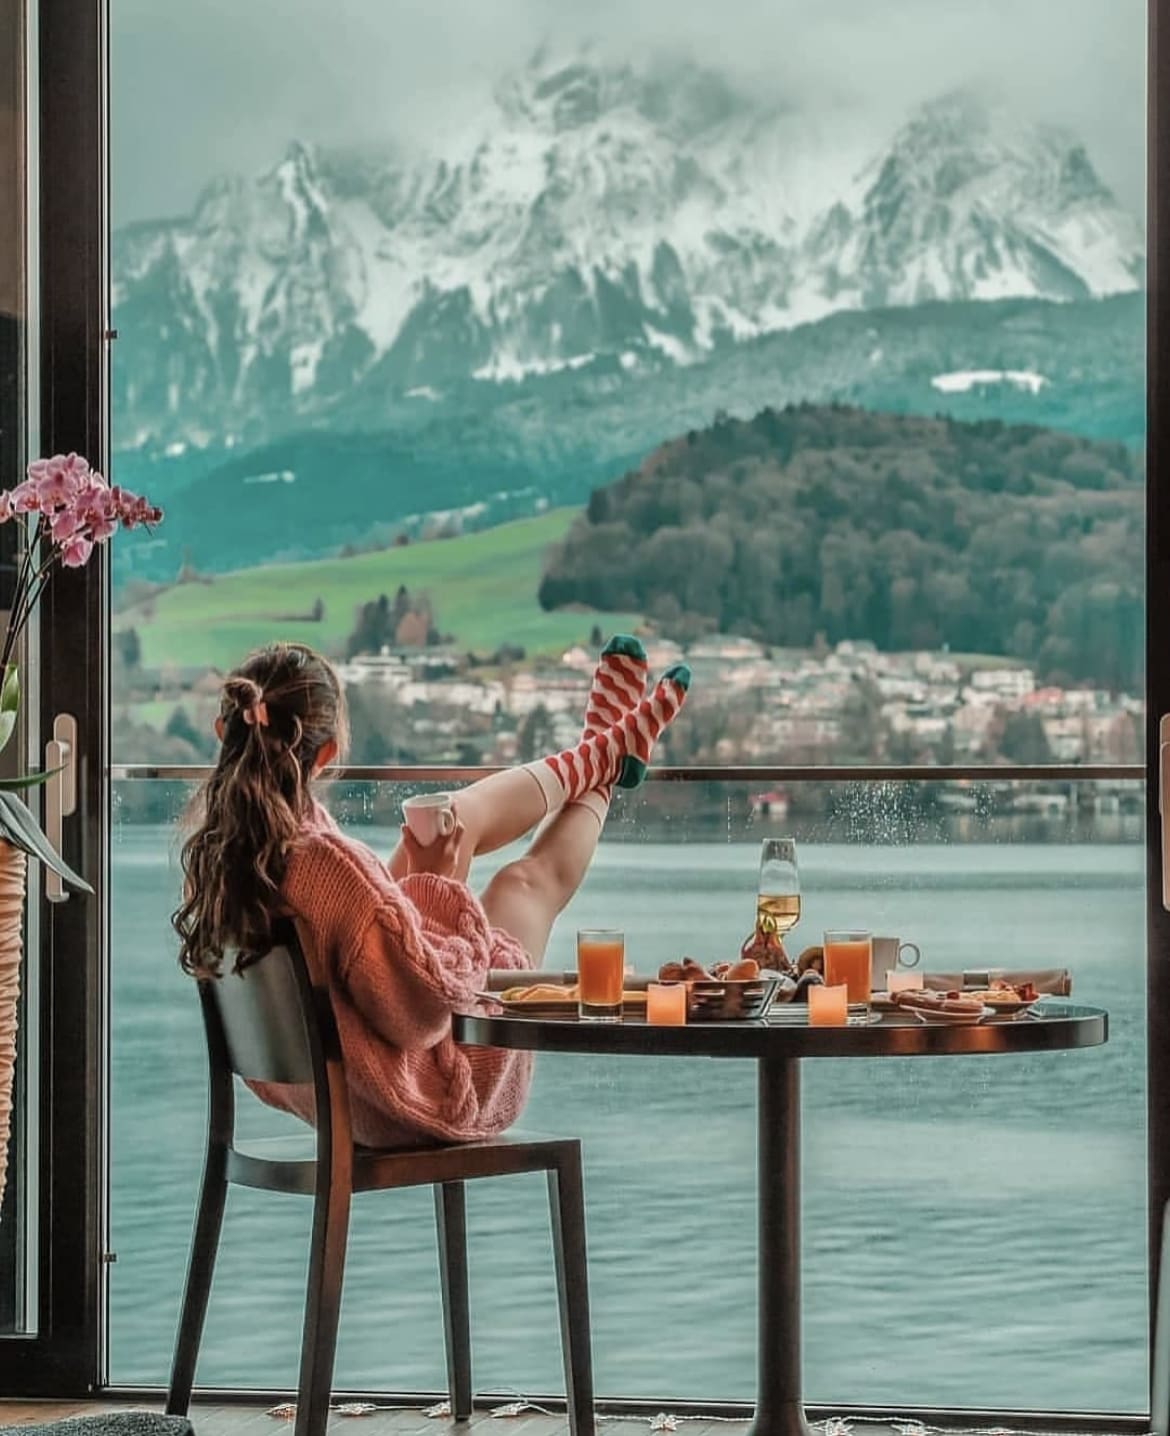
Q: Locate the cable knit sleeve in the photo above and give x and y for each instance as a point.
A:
(425, 951)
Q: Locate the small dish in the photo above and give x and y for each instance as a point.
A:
(951, 1019)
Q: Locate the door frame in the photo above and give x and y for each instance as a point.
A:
(65, 1355)
(1157, 618)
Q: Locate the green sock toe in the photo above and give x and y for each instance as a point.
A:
(679, 673)
(632, 772)
(626, 645)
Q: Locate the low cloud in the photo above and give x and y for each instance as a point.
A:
(224, 86)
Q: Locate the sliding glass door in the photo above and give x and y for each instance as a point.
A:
(450, 347)
(814, 353)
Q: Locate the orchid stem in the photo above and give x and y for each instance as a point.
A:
(30, 589)
(18, 615)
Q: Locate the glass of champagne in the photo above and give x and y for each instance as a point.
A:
(778, 902)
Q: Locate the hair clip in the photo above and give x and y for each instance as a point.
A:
(257, 714)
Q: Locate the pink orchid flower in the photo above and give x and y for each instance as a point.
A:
(64, 525)
(76, 505)
(97, 507)
(58, 480)
(25, 499)
(75, 551)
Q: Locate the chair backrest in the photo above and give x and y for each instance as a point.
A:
(267, 1014)
(273, 1022)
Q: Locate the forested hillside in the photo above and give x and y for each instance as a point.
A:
(845, 523)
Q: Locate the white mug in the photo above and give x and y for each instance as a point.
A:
(887, 954)
(429, 816)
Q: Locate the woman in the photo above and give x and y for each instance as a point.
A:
(402, 945)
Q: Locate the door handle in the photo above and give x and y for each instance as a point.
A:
(60, 793)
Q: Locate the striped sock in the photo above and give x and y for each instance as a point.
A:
(596, 761)
(619, 684)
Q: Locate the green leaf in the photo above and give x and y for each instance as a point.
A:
(30, 780)
(19, 827)
(9, 703)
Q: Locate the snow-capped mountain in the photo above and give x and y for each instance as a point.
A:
(592, 214)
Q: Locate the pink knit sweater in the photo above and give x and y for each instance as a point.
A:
(401, 957)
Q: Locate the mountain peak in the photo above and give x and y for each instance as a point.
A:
(633, 216)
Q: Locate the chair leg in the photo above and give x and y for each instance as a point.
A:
(566, 1194)
(1160, 1404)
(322, 1309)
(451, 1221)
(204, 1245)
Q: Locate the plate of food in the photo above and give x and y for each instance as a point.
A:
(954, 1008)
(545, 999)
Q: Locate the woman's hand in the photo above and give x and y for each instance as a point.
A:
(440, 858)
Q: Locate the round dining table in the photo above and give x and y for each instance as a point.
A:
(778, 1046)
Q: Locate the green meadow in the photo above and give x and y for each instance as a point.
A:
(482, 589)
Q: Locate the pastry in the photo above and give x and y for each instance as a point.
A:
(954, 1003)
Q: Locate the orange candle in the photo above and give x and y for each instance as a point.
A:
(666, 1004)
(903, 981)
(828, 1006)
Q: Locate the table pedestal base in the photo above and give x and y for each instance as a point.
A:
(789, 1422)
(779, 1410)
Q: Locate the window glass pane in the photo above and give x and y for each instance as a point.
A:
(1019, 1169)
(544, 339)
(804, 342)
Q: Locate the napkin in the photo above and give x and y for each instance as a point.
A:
(1051, 981)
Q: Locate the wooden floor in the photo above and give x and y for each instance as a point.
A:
(239, 1420)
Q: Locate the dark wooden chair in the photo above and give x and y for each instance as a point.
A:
(273, 1023)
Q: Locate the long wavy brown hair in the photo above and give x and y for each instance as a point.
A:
(277, 711)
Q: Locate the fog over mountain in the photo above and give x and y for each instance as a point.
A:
(198, 89)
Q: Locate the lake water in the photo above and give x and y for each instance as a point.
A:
(975, 1228)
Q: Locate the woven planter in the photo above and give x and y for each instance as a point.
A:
(12, 871)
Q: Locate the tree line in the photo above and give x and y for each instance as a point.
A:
(834, 522)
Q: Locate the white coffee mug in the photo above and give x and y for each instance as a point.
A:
(887, 954)
(429, 817)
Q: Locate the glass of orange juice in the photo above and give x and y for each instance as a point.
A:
(849, 961)
(601, 969)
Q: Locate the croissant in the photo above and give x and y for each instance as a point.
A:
(743, 971)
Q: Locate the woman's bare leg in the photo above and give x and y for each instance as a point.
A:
(525, 897)
(494, 811)
(499, 809)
